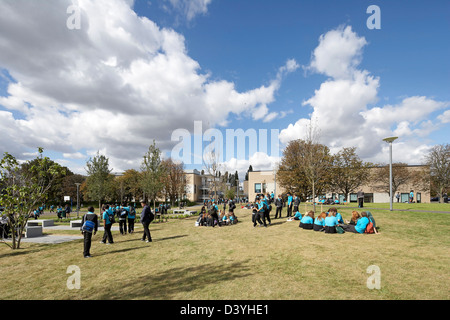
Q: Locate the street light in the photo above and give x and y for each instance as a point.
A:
(390, 140)
(78, 201)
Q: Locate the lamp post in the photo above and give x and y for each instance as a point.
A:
(78, 201)
(390, 140)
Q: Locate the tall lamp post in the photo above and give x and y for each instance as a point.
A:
(78, 200)
(390, 140)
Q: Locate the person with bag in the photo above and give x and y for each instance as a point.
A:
(123, 215)
(89, 226)
(108, 220)
(131, 218)
(360, 226)
(147, 217)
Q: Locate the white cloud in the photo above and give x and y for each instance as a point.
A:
(259, 161)
(341, 106)
(190, 8)
(115, 84)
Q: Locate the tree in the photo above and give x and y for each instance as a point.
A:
(212, 166)
(438, 160)
(401, 175)
(99, 178)
(153, 173)
(22, 190)
(349, 172)
(304, 168)
(175, 182)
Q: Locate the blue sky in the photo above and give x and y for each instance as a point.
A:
(148, 68)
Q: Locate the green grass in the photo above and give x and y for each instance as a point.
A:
(242, 262)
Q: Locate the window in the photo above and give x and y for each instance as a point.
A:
(257, 187)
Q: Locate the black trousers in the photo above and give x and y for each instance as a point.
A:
(349, 227)
(361, 202)
(107, 234)
(130, 225)
(289, 210)
(266, 215)
(87, 243)
(146, 234)
(279, 209)
(256, 217)
(123, 226)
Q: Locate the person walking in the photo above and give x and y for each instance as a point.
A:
(147, 217)
(107, 216)
(89, 226)
(131, 218)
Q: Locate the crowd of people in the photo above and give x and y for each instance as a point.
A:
(125, 215)
(211, 216)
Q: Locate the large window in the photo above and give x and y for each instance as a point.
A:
(257, 187)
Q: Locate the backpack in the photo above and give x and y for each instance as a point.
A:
(111, 217)
(88, 226)
(151, 216)
(123, 214)
(370, 228)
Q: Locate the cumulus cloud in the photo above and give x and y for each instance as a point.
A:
(114, 85)
(341, 107)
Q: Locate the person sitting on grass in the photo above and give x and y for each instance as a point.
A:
(336, 214)
(319, 222)
(354, 218)
(307, 221)
(297, 216)
(360, 225)
(331, 222)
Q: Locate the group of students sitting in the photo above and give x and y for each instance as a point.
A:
(215, 217)
(332, 222)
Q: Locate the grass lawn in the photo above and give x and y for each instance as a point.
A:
(241, 262)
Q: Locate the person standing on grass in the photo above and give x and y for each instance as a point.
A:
(131, 218)
(289, 205)
(146, 218)
(107, 224)
(279, 206)
(87, 232)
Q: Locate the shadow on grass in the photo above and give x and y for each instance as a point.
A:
(166, 284)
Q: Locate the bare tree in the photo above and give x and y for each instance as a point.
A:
(438, 160)
(211, 162)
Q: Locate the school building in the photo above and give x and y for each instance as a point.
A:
(266, 181)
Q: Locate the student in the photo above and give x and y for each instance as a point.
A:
(122, 215)
(297, 216)
(107, 224)
(336, 214)
(258, 212)
(289, 205)
(360, 225)
(146, 218)
(86, 232)
(331, 222)
(279, 206)
(131, 218)
(267, 208)
(296, 202)
(319, 222)
(354, 218)
(307, 221)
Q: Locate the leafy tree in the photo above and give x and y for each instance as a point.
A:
(23, 190)
(99, 179)
(349, 172)
(175, 181)
(153, 173)
(304, 168)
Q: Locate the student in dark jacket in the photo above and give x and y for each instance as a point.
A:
(90, 216)
(279, 206)
(146, 218)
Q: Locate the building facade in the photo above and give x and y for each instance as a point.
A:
(266, 182)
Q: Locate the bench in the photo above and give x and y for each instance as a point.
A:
(44, 223)
(77, 223)
(33, 231)
(184, 212)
